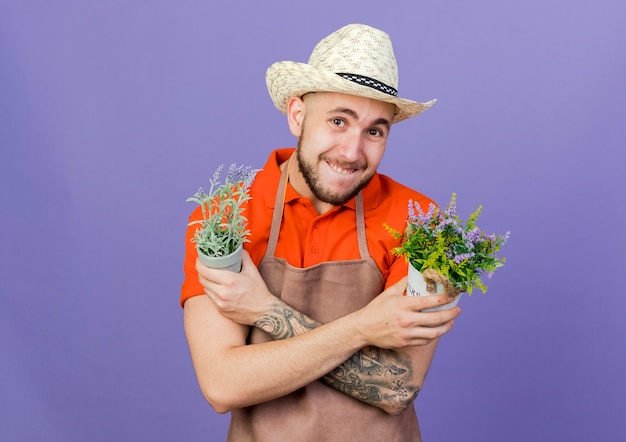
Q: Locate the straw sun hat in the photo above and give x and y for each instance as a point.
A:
(356, 60)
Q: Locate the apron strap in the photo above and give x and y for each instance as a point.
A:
(360, 227)
(279, 204)
(277, 217)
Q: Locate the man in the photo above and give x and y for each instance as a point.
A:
(314, 340)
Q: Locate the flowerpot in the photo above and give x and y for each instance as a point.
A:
(231, 262)
(417, 287)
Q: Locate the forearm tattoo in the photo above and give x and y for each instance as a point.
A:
(282, 322)
(372, 375)
(376, 376)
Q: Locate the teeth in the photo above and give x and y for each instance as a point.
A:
(340, 170)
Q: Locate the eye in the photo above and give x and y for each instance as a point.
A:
(340, 122)
(375, 132)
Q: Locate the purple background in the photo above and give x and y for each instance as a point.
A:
(112, 113)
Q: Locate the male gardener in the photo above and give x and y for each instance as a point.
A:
(314, 340)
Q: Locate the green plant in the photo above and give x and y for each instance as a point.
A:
(458, 250)
(223, 227)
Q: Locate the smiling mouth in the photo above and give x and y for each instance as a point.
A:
(341, 170)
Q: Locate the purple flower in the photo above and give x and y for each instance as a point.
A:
(463, 257)
(439, 239)
(240, 173)
(218, 172)
(412, 214)
(429, 215)
(471, 238)
(451, 209)
(417, 215)
(446, 222)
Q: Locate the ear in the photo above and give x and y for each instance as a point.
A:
(295, 115)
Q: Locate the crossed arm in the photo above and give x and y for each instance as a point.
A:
(379, 354)
(377, 376)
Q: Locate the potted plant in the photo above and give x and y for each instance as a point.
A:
(446, 254)
(223, 228)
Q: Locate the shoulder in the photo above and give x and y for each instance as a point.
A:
(393, 199)
(393, 189)
(266, 180)
(386, 204)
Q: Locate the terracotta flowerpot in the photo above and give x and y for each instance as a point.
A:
(417, 286)
(230, 262)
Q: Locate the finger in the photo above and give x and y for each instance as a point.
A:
(246, 255)
(205, 271)
(246, 260)
(199, 266)
(402, 282)
(210, 277)
(424, 302)
(434, 332)
(438, 319)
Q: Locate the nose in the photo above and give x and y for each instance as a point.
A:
(352, 146)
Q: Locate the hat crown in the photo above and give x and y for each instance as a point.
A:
(355, 60)
(358, 49)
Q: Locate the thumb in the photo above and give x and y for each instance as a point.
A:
(399, 287)
(246, 260)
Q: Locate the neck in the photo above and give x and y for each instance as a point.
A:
(298, 183)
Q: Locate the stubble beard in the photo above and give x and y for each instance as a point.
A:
(311, 177)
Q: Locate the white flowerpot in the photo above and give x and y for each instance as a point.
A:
(230, 262)
(417, 287)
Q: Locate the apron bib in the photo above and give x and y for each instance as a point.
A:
(324, 292)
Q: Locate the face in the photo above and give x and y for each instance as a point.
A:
(342, 139)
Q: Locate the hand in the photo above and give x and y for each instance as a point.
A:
(393, 321)
(241, 297)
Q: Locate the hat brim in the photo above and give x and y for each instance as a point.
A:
(287, 79)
